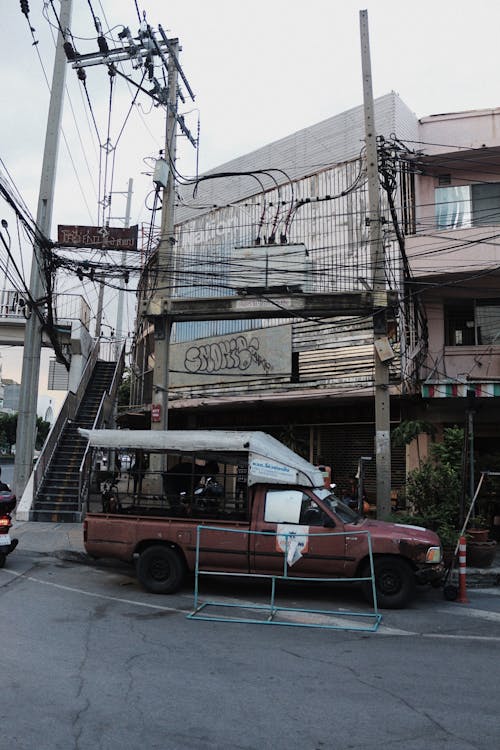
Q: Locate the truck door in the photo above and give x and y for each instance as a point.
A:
(295, 526)
(224, 549)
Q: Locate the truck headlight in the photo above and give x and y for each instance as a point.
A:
(434, 555)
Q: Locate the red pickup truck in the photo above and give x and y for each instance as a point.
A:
(265, 512)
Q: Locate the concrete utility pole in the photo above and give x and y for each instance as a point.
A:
(164, 261)
(28, 396)
(382, 399)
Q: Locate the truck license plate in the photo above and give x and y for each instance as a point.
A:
(4, 539)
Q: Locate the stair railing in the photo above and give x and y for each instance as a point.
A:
(67, 412)
(87, 462)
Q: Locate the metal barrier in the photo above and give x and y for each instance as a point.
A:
(322, 616)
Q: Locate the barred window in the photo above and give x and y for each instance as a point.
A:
(470, 323)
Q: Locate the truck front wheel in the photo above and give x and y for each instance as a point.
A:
(394, 581)
(160, 570)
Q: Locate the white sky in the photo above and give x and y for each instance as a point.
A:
(260, 70)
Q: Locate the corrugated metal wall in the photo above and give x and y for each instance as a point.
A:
(343, 445)
(337, 139)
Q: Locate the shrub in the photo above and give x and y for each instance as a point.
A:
(435, 489)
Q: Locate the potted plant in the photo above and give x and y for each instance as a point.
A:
(480, 549)
(477, 530)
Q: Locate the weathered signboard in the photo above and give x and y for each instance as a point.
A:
(104, 238)
(263, 352)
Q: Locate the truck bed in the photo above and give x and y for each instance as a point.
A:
(122, 535)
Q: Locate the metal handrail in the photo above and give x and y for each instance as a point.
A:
(118, 373)
(86, 462)
(67, 412)
(83, 486)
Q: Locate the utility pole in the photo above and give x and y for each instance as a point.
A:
(381, 366)
(28, 396)
(119, 312)
(164, 261)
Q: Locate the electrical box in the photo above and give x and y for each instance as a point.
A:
(384, 349)
(278, 268)
(160, 175)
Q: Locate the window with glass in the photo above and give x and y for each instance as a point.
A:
(472, 322)
(462, 206)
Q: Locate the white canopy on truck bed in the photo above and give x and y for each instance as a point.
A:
(268, 459)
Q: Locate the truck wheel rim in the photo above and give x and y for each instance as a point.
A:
(389, 582)
(160, 569)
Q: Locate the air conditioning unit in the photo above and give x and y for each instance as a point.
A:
(270, 268)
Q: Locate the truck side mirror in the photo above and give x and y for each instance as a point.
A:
(328, 522)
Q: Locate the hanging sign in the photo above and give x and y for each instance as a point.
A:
(104, 238)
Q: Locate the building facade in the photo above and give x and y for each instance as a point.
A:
(292, 218)
(454, 254)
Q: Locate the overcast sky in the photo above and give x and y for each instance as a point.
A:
(260, 71)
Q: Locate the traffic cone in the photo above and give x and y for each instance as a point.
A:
(462, 564)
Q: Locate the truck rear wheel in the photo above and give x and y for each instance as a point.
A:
(394, 581)
(160, 570)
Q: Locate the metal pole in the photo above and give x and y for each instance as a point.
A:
(382, 401)
(471, 453)
(162, 323)
(100, 307)
(5, 297)
(121, 293)
(28, 396)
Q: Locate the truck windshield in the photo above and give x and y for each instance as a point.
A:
(346, 514)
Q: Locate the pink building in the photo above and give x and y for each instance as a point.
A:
(454, 256)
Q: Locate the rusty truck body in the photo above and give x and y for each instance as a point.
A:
(261, 493)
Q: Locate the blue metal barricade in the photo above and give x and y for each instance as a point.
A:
(326, 619)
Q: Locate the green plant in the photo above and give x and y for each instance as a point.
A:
(409, 430)
(448, 535)
(478, 522)
(434, 490)
(124, 388)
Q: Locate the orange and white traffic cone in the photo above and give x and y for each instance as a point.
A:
(462, 564)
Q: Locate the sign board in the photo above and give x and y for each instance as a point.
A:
(103, 238)
(262, 352)
(156, 412)
(270, 471)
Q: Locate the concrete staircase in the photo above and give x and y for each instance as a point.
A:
(57, 498)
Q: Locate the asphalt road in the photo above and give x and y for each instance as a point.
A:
(92, 661)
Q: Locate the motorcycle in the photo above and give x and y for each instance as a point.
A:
(208, 494)
(7, 543)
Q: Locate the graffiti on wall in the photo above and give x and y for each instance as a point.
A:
(265, 352)
(236, 353)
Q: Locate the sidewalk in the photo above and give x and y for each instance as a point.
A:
(67, 539)
(48, 538)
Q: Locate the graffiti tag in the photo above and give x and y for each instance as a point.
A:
(237, 353)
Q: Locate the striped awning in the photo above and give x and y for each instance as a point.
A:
(460, 390)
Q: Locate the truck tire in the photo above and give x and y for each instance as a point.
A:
(160, 570)
(394, 581)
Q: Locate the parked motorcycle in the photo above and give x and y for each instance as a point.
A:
(208, 494)
(7, 543)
